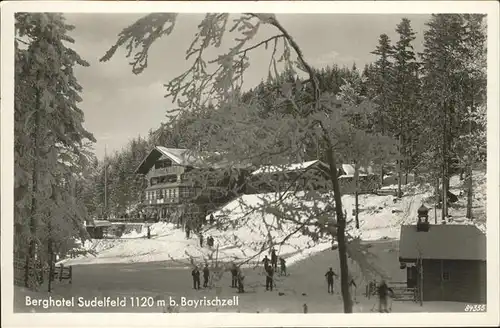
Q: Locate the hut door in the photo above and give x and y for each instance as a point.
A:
(411, 276)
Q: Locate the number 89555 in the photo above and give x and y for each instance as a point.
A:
(475, 308)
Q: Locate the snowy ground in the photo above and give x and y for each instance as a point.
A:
(305, 284)
(156, 268)
(380, 218)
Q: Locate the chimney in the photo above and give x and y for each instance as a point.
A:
(423, 219)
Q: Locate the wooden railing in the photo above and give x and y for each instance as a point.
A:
(400, 291)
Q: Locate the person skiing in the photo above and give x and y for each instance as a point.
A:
(234, 276)
(283, 266)
(329, 279)
(266, 262)
(201, 240)
(196, 277)
(352, 286)
(206, 275)
(212, 219)
(274, 259)
(188, 232)
(149, 232)
(269, 278)
(383, 292)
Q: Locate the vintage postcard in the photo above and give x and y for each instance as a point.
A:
(250, 164)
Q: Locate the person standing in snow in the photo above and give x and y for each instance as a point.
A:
(234, 276)
(241, 279)
(329, 279)
(283, 266)
(269, 278)
(188, 232)
(266, 262)
(196, 278)
(274, 259)
(149, 232)
(383, 293)
(206, 275)
(201, 240)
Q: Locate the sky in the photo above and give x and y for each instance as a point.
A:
(120, 105)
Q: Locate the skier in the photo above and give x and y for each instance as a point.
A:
(201, 240)
(149, 232)
(329, 279)
(188, 232)
(234, 276)
(352, 286)
(212, 219)
(274, 259)
(196, 278)
(283, 266)
(266, 262)
(383, 292)
(206, 275)
(269, 278)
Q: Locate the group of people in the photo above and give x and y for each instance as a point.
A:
(210, 241)
(270, 267)
(196, 277)
(237, 278)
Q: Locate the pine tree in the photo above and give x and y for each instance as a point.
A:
(49, 138)
(442, 76)
(404, 95)
(469, 147)
(381, 83)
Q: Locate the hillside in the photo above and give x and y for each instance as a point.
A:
(380, 218)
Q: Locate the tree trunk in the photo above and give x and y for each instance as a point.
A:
(444, 208)
(356, 193)
(469, 176)
(30, 263)
(400, 166)
(341, 222)
(50, 261)
(436, 192)
(382, 175)
(469, 191)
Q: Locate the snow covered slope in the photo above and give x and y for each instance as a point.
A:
(379, 216)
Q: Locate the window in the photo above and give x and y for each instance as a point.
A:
(163, 164)
(446, 276)
(175, 192)
(171, 178)
(153, 181)
(158, 194)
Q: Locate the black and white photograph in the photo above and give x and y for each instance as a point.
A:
(238, 160)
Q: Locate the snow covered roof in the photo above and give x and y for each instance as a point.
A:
(184, 157)
(179, 156)
(288, 168)
(443, 242)
(348, 170)
(99, 223)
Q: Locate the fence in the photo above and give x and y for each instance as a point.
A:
(401, 292)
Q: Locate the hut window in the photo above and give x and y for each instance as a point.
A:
(446, 275)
